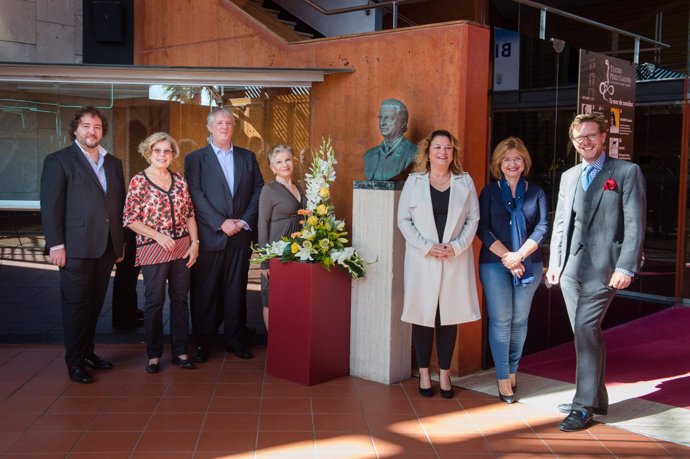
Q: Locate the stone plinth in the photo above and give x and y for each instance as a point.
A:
(380, 343)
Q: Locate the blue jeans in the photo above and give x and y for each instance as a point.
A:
(508, 310)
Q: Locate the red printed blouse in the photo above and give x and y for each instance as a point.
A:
(165, 211)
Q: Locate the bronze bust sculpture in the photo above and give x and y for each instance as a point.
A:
(391, 159)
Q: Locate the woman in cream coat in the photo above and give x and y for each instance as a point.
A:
(438, 215)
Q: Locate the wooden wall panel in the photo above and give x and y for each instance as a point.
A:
(439, 71)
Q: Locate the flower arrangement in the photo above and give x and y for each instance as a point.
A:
(322, 237)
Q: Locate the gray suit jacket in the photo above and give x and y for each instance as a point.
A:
(213, 201)
(75, 210)
(617, 221)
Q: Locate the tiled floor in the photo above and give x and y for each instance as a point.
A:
(231, 408)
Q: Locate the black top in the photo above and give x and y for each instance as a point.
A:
(439, 203)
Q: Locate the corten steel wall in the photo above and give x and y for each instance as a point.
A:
(441, 72)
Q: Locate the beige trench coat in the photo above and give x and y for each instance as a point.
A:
(429, 281)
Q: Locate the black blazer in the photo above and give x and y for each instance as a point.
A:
(75, 210)
(213, 202)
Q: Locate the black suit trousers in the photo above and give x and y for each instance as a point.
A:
(219, 294)
(83, 285)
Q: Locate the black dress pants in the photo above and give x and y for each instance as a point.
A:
(125, 303)
(175, 275)
(423, 339)
(219, 294)
(83, 285)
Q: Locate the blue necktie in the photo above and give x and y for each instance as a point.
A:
(587, 176)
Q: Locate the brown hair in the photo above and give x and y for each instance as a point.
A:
(76, 119)
(501, 151)
(592, 118)
(421, 161)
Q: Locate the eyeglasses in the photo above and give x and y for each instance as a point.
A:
(580, 139)
(160, 151)
(517, 160)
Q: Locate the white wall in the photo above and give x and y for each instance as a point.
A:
(46, 31)
(337, 24)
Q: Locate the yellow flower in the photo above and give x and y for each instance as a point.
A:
(294, 248)
(321, 209)
(324, 192)
(312, 220)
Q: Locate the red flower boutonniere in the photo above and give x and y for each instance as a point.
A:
(610, 185)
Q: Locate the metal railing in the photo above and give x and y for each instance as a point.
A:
(542, 26)
(392, 3)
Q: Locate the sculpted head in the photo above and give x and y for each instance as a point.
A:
(392, 119)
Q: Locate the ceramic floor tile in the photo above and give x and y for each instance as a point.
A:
(285, 390)
(234, 405)
(335, 405)
(79, 405)
(131, 404)
(189, 390)
(286, 422)
(106, 422)
(111, 442)
(226, 442)
(399, 423)
(456, 443)
(45, 442)
(526, 443)
(167, 441)
(388, 443)
(387, 405)
(17, 422)
(237, 390)
(64, 421)
(343, 444)
(231, 421)
(175, 421)
(340, 422)
(182, 405)
(7, 439)
(140, 389)
(285, 405)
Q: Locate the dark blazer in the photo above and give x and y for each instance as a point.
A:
(75, 210)
(213, 202)
(617, 219)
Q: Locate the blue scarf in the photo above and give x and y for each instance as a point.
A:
(518, 224)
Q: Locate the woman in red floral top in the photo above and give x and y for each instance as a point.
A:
(159, 209)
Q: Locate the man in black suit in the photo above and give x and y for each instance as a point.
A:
(225, 183)
(82, 196)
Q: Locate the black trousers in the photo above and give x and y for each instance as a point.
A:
(175, 275)
(125, 303)
(83, 284)
(423, 340)
(219, 294)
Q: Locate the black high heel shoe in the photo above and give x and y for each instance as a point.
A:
(509, 399)
(153, 367)
(428, 392)
(447, 393)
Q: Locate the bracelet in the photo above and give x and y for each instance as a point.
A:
(195, 241)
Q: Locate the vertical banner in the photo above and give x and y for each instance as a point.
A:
(506, 60)
(607, 88)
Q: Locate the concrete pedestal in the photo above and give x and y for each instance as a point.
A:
(380, 343)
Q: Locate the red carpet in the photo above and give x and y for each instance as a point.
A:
(653, 351)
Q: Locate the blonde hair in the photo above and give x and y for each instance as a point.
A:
(579, 120)
(421, 161)
(146, 146)
(275, 149)
(501, 151)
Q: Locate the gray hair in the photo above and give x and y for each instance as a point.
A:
(275, 149)
(212, 115)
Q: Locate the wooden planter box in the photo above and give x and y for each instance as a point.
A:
(309, 322)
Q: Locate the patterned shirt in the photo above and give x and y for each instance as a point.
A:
(164, 211)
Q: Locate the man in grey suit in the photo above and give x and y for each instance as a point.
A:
(82, 197)
(225, 183)
(596, 247)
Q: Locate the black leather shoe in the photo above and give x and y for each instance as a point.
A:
(80, 375)
(509, 399)
(201, 354)
(96, 363)
(428, 392)
(575, 421)
(183, 363)
(153, 367)
(568, 407)
(447, 393)
(240, 351)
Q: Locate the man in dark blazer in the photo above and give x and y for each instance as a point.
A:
(82, 196)
(596, 247)
(225, 183)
